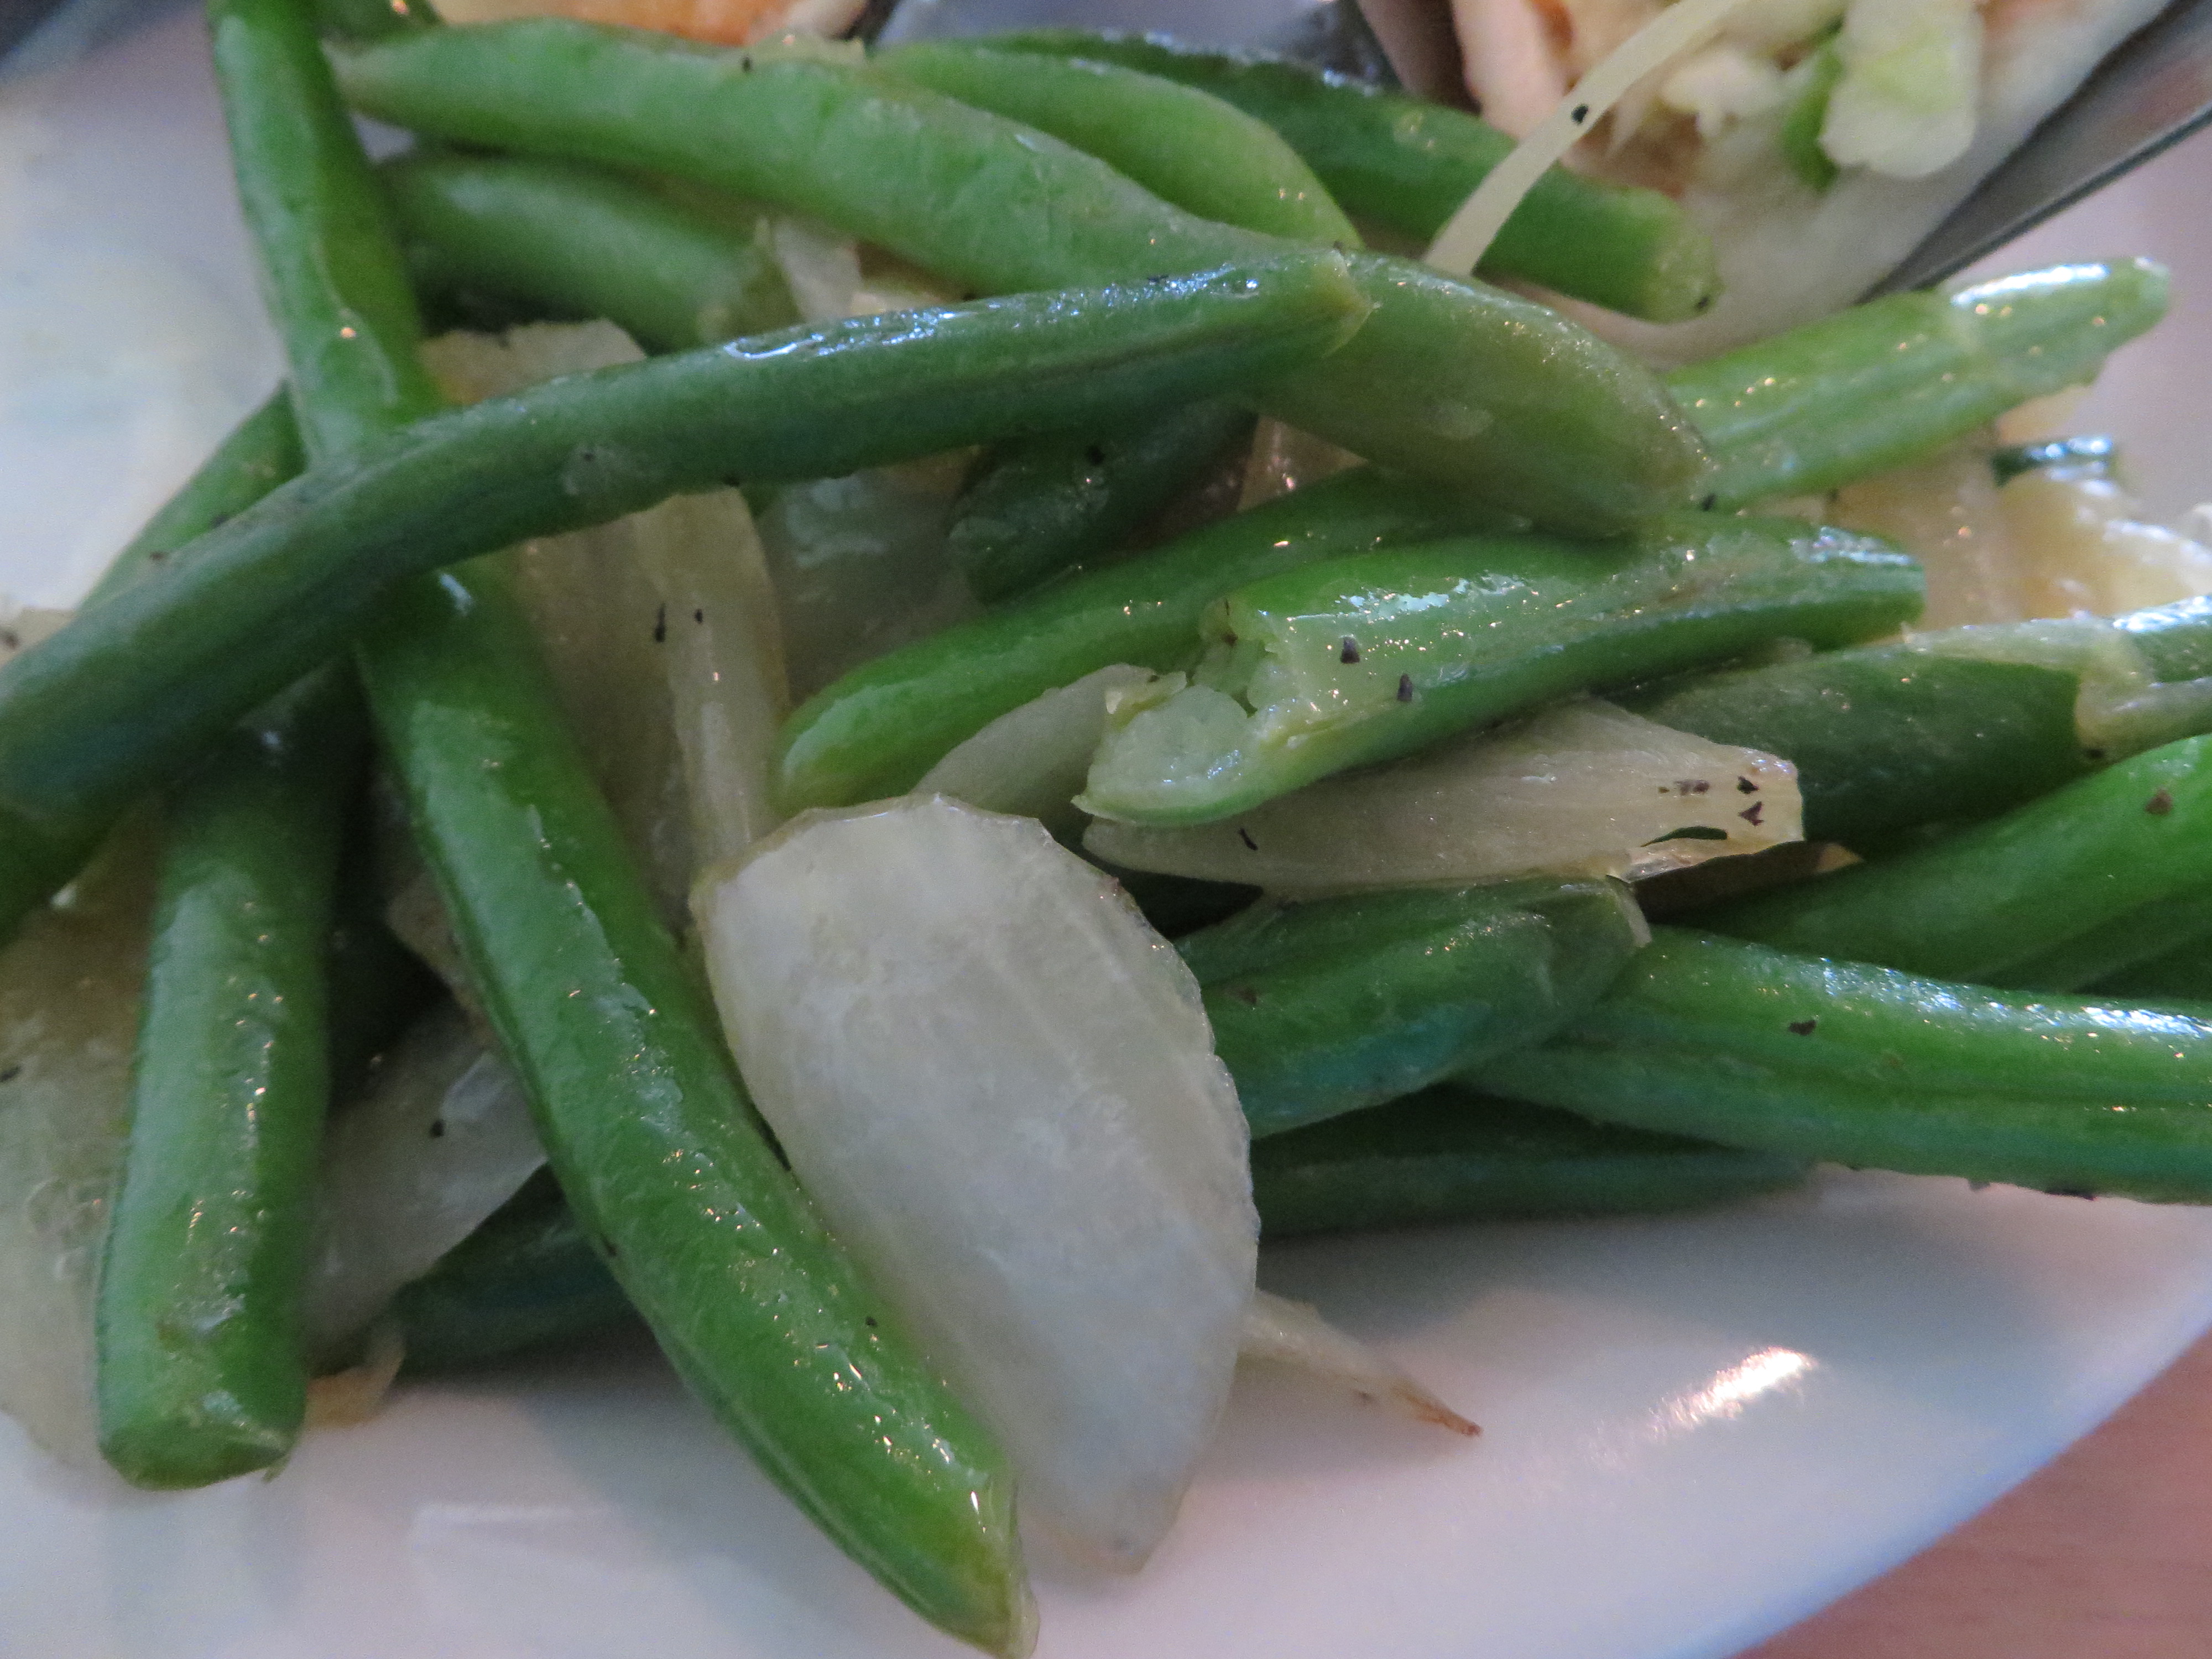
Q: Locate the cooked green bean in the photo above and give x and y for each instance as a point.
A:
(1452, 1154)
(878, 730)
(1960, 724)
(202, 1370)
(2007, 902)
(262, 452)
(202, 1373)
(1185, 146)
(39, 855)
(1448, 380)
(1041, 507)
(588, 242)
(1886, 382)
(1408, 164)
(530, 1275)
(651, 1134)
(2100, 956)
(1324, 1006)
(2182, 974)
(632, 1088)
(1365, 659)
(124, 694)
(1761, 1049)
(1887, 737)
(1052, 504)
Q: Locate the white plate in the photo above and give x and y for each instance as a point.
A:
(1699, 1430)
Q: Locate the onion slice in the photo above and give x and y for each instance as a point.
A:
(1582, 788)
(999, 1086)
(1281, 1332)
(442, 1138)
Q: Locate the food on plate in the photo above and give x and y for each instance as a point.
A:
(956, 1207)
(1816, 140)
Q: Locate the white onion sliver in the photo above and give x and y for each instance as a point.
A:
(1032, 761)
(723, 655)
(1581, 788)
(1467, 235)
(1279, 1331)
(69, 983)
(442, 1138)
(998, 1085)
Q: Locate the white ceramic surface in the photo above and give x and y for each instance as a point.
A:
(1698, 1430)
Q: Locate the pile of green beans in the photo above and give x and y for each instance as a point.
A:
(1170, 241)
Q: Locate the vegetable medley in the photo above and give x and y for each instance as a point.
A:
(1255, 696)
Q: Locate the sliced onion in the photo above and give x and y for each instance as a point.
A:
(70, 984)
(859, 567)
(1279, 1331)
(999, 1086)
(661, 629)
(440, 1138)
(1583, 788)
(1032, 761)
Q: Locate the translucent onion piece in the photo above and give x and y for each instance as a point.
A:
(1582, 788)
(859, 567)
(440, 1138)
(1032, 761)
(998, 1084)
(722, 654)
(69, 1019)
(339, 1400)
(661, 630)
(1283, 458)
(1280, 1331)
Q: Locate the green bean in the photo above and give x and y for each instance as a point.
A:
(1408, 164)
(651, 1132)
(1041, 507)
(1800, 137)
(2103, 955)
(1365, 658)
(634, 1093)
(529, 1276)
(1451, 1154)
(1448, 380)
(1760, 1048)
(588, 242)
(201, 1371)
(262, 453)
(1886, 382)
(89, 717)
(1958, 724)
(1324, 1006)
(1187, 146)
(1055, 503)
(1888, 737)
(1993, 902)
(2182, 974)
(878, 730)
